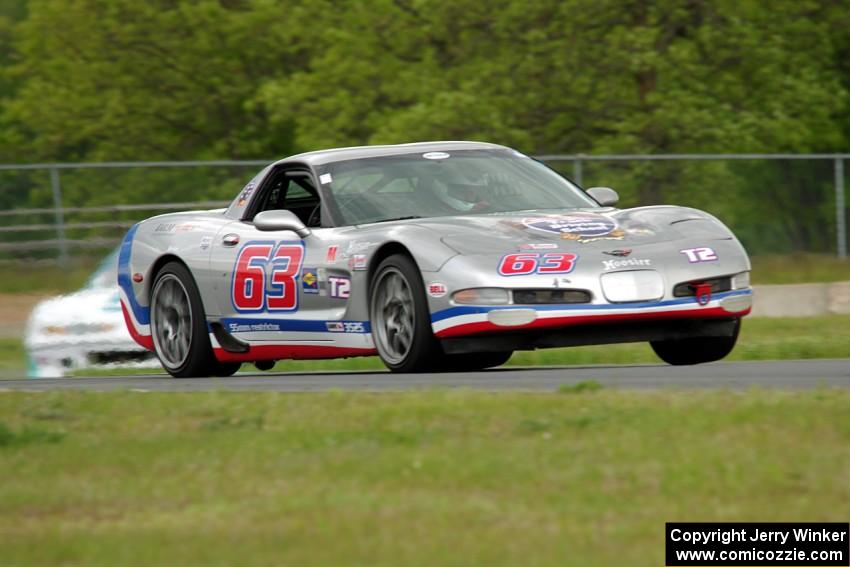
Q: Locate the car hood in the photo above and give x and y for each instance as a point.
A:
(575, 229)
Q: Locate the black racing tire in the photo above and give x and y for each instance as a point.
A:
(696, 350)
(470, 362)
(400, 319)
(179, 326)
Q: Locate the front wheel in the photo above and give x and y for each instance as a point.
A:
(179, 326)
(697, 350)
(401, 322)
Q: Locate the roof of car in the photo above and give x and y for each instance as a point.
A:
(322, 157)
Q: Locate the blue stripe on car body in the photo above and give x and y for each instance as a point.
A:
(141, 313)
(290, 325)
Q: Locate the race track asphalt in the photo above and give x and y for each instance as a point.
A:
(793, 374)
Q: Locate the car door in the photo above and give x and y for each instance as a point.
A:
(273, 287)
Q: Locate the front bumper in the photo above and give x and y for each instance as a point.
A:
(54, 361)
(466, 321)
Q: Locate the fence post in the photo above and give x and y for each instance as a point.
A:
(840, 215)
(577, 169)
(59, 217)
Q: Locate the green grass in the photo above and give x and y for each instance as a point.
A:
(761, 339)
(795, 268)
(799, 268)
(582, 477)
(12, 355)
(45, 279)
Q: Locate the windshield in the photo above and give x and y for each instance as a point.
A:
(436, 184)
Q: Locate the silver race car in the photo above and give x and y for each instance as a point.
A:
(435, 256)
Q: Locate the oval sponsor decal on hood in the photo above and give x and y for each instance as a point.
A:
(581, 227)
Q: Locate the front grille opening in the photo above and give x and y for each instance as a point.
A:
(551, 296)
(119, 357)
(688, 289)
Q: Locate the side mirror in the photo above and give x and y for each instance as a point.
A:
(606, 196)
(280, 220)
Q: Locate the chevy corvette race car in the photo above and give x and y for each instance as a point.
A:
(435, 256)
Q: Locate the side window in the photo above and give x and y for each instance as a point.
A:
(296, 191)
(293, 191)
(275, 195)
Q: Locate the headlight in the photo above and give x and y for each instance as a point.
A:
(482, 296)
(741, 281)
(55, 330)
(78, 329)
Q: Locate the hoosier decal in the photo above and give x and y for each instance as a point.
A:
(630, 263)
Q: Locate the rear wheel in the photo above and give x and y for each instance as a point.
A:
(179, 326)
(401, 322)
(696, 350)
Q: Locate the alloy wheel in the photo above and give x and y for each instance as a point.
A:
(171, 321)
(393, 315)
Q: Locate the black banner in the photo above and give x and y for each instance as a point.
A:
(764, 544)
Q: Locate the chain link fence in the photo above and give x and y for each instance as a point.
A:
(776, 203)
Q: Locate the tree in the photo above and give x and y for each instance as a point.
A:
(119, 79)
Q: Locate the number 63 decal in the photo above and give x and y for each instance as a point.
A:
(264, 276)
(524, 264)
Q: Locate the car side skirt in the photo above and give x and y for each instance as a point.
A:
(290, 352)
(611, 332)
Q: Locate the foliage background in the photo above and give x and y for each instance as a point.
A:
(96, 80)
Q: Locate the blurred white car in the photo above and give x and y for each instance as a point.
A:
(84, 329)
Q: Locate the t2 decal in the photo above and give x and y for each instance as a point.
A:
(535, 263)
(340, 287)
(264, 278)
(696, 255)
